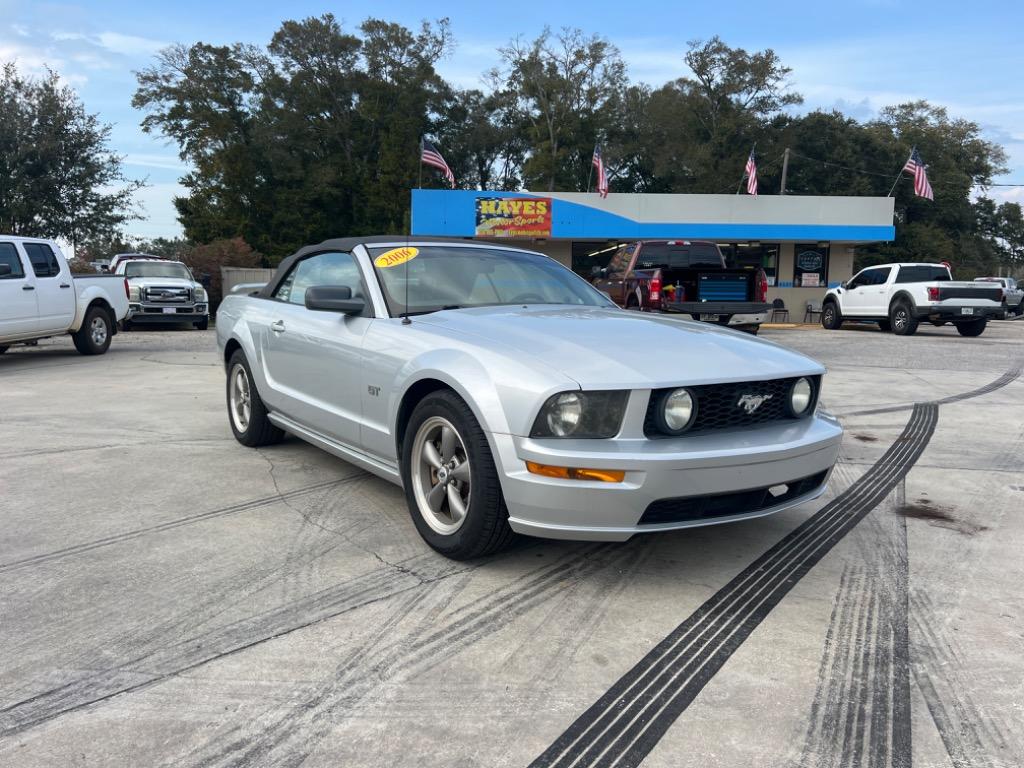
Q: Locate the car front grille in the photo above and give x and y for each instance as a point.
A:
(690, 508)
(722, 407)
(168, 295)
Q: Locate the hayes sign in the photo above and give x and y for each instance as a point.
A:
(513, 217)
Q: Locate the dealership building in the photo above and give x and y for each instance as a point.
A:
(803, 243)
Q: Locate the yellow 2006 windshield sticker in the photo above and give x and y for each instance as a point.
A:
(396, 256)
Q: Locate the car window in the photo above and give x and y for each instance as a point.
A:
(430, 278)
(923, 273)
(9, 256)
(157, 269)
(678, 254)
(321, 269)
(621, 258)
(44, 261)
(874, 276)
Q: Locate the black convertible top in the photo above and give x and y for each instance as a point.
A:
(345, 245)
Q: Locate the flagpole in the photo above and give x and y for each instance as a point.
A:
(740, 185)
(590, 173)
(419, 163)
(900, 176)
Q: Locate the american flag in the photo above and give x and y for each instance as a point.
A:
(431, 156)
(916, 166)
(751, 171)
(602, 177)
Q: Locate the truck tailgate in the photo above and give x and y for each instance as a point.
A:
(970, 292)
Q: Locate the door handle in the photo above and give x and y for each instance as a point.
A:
(277, 326)
(28, 287)
(64, 285)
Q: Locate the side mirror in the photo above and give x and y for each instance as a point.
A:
(844, 285)
(5, 270)
(333, 298)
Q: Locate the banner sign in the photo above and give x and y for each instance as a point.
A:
(513, 217)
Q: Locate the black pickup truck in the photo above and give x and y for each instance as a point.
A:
(686, 276)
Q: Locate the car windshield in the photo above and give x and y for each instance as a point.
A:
(156, 269)
(451, 277)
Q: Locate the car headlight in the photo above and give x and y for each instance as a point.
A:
(581, 414)
(676, 412)
(134, 293)
(801, 395)
(200, 294)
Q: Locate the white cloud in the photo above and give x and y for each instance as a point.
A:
(146, 160)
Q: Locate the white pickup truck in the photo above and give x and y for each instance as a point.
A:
(39, 298)
(899, 296)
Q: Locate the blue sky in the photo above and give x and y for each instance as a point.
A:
(857, 55)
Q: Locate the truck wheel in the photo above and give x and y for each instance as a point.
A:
(831, 317)
(93, 338)
(885, 326)
(973, 328)
(451, 483)
(901, 316)
(3, 349)
(246, 412)
(126, 325)
(203, 324)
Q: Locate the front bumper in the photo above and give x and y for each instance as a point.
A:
(143, 313)
(659, 470)
(959, 312)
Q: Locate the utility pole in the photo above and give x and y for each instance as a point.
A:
(785, 170)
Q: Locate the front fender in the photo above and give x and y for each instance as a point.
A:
(504, 394)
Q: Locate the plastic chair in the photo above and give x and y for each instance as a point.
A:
(779, 308)
(813, 308)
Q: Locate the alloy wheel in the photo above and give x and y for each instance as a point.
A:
(241, 398)
(441, 475)
(98, 331)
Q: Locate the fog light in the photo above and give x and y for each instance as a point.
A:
(577, 473)
(800, 397)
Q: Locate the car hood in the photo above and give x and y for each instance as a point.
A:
(616, 349)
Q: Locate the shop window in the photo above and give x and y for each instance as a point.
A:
(810, 266)
(746, 256)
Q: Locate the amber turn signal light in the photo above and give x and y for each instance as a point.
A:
(577, 473)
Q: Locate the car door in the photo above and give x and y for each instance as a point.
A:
(18, 308)
(875, 292)
(55, 295)
(855, 295)
(313, 360)
(613, 281)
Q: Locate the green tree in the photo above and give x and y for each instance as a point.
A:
(58, 176)
(565, 86)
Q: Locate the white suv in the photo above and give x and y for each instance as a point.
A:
(899, 296)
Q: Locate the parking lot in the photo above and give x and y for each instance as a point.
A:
(171, 598)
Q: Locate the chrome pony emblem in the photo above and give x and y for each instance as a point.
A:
(751, 403)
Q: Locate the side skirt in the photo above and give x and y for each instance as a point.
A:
(380, 468)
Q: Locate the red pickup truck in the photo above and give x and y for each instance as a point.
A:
(687, 276)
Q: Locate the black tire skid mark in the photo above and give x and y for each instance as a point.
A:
(1007, 378)
(141, 642)
(972, 735)
(429, 642)
(164, 661)
(585, 617)
(119, 538)
(628, 721)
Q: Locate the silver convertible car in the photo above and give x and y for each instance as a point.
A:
(507, 395)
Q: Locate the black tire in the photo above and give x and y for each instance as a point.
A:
(831, 317)
(203, 324)
(973, 328)
(93, 338)
(126, 325)
(3, 349)
(901, 316)
(484, 529)
(751, 329)
(885, 326)
(256, 430)
(1020, 309)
